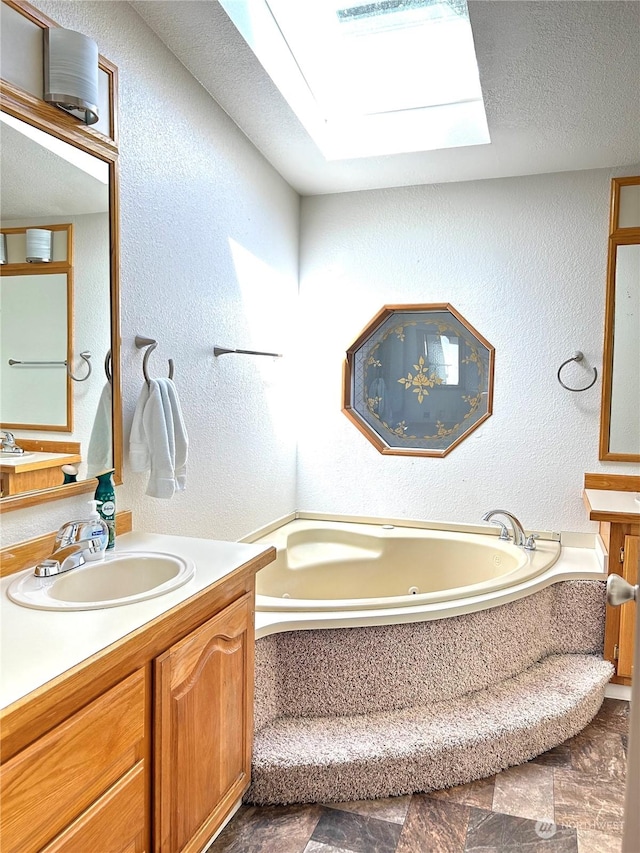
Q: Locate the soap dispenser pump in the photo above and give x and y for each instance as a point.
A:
(97, 529)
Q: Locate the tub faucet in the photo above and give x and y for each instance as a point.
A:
(519, 536)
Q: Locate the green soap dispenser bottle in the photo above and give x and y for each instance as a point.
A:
(106, 497)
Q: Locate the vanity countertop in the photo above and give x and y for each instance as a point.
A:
(34, 461)
(610, 505)
(38, 645)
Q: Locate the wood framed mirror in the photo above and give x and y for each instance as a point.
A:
(620, 411)
(57, 151)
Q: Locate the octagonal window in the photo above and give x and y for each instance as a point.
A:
(418, 380)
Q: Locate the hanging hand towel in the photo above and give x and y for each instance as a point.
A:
(158, 441)
(138, 448)
(100, 451)
(169, 390)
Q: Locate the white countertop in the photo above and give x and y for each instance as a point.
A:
(34, 460)
(38, 645)
(610, 501)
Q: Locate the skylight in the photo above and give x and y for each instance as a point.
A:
(373, 78)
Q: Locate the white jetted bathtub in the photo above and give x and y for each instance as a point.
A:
(337, 566)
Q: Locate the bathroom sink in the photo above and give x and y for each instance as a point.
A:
(121, 578)
(17, 456)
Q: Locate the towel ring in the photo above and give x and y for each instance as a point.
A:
(578, 358)
(151, 344)
(86, 355)
(108, 367)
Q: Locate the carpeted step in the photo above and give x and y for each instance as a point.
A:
(325, 759)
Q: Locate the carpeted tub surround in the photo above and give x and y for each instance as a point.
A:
(358, 713)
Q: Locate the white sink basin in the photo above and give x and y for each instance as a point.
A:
(121, 578)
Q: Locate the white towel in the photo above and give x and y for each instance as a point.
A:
(158, 442)
(100, 450)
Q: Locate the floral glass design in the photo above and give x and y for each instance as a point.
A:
(418, 380)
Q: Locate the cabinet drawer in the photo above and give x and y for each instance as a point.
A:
(114, 824)
(47, 785)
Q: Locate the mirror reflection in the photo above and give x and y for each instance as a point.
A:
(33, 351)
(624, 430)
(420, 380)
(620, 414)
(54, 311)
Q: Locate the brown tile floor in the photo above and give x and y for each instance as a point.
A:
(568, 800)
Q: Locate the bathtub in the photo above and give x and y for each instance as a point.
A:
(329, 565)
(331, 572)
(389, 627)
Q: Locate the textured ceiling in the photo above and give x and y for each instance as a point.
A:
(561, 82)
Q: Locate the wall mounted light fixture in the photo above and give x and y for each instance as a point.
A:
(39, 246)
(3, 248)
(71, 73)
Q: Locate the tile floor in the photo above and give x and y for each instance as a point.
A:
(568, 800)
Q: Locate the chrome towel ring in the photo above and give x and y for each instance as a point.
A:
(151, 344)
(578, 358)
(86, 355)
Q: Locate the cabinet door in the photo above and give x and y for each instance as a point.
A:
(628, 612)
(204, 721)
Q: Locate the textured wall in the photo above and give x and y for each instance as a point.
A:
(524, 260)
(209, 249)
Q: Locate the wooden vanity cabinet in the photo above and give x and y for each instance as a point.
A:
(203, 725)
(59, 792)
(622, 542)
(620, 534)
(628, 611)
(146, 747)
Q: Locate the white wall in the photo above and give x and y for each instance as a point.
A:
(190, 185)
(524, 261)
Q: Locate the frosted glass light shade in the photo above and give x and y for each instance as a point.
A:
(39, 246)
(71, 73)
(3, 248)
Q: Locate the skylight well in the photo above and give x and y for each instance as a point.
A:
(371, 78)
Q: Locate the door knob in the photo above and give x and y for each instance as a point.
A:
(619, 591)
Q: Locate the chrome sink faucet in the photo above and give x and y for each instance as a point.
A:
(74, 545)
(8, 444)
(69, 557)
(520, 538)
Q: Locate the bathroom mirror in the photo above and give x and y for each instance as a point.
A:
(36, 329)
(35, 388)
(54, 169)
(418, 380)
(620, 413)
